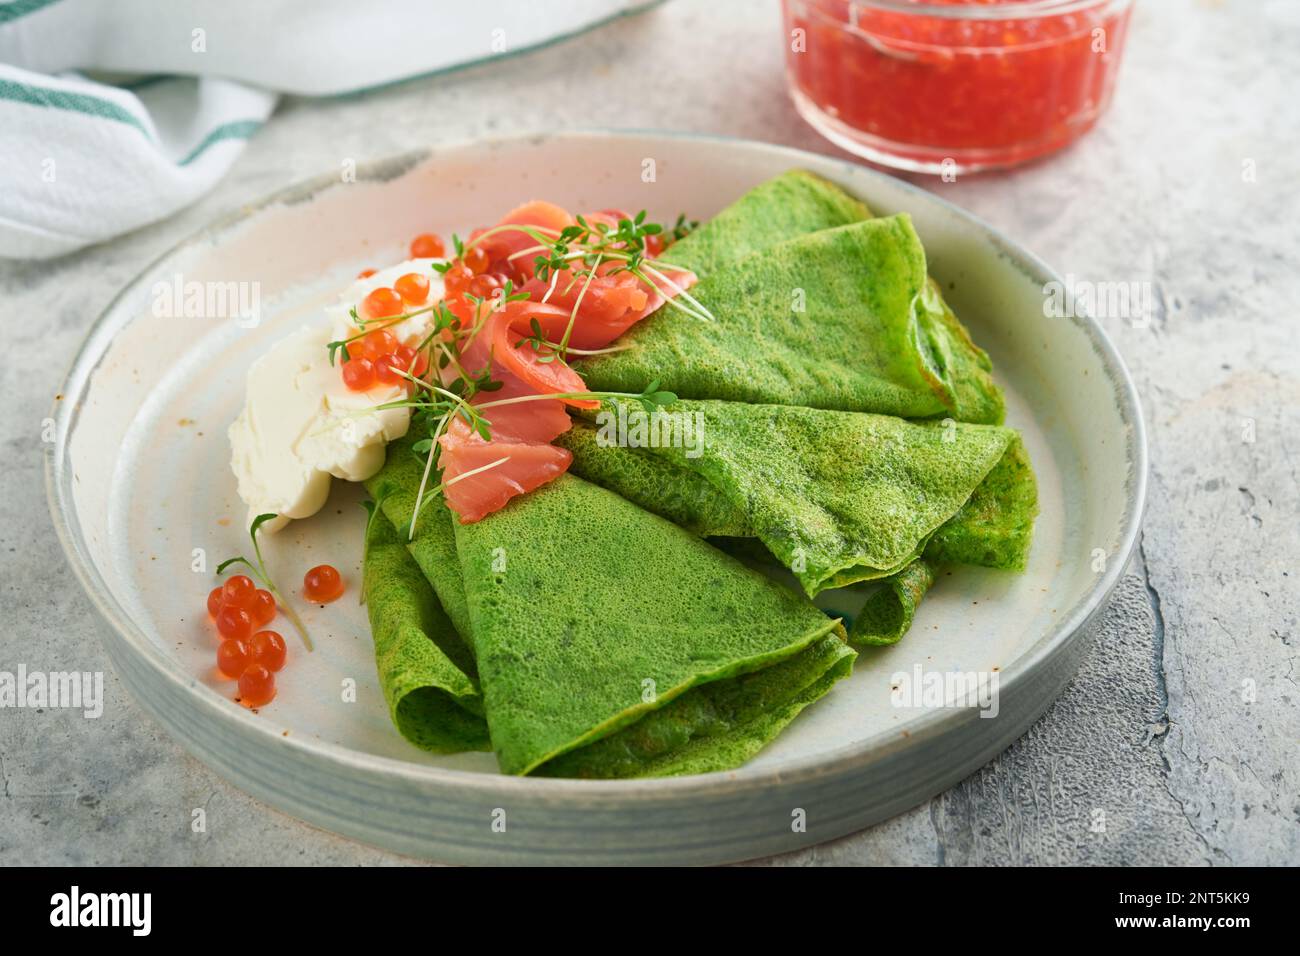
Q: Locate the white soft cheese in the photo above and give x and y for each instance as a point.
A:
(301, 424)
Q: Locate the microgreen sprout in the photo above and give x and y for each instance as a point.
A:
(340, 346)
(260, 572)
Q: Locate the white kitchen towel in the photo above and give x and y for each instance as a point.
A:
(86, 153)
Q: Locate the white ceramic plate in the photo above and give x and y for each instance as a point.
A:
(138, 480)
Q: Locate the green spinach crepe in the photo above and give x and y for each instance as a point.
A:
(433, 546)
(824, 314)
(827, 489)
(792, 204)
(837, 497)
(607, 641)
(993, 529)
(590, 613)
(888, 612)
(424, 666)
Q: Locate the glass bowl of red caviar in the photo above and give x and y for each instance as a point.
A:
(944, 86)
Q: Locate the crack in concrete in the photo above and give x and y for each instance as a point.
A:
(1158, 642)
(939, 850)
(1161, 727)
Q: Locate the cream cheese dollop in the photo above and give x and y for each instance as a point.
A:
(301, 425)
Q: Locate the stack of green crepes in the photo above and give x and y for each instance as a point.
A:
(617, 622)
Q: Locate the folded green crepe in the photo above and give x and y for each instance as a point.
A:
(423, 664)
(887, 614)
(671, 491)
(837, 497)
(803, 288)
(792, 204)
(590, 614)
(396, 487)
(699, 677)
(843, 318)
(994, 527)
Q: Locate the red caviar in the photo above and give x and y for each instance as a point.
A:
(239, 607)
(381, 303)
(387, 368)
(456, 280)
(484, 285)
(233, 657)
(256, 686)
(413, 288)
(379, 342)
(427, 245)
(476, 260)
(948, 85)
(322, 584)
(358, 374)
(262, 607)
(268, 649)
(234, 622)
(238, 590)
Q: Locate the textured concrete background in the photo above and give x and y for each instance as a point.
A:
(1182, 728)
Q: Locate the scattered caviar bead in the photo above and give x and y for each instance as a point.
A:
(404, 355)
(216, 598)
(379, 342)
(427, 246)
(233, 657)
(359, 374)
(234, 622)
(381, 303)
(359, 348)
(262, 607)
(388, 368)
(476, 260)
(322, 584)
(413, 288)
(238, 590)
(410, 361)
(483, 286)
(366, 273)
(256, 686)
(456, 280)
(654, 245)
(268, 649)
(463, 311)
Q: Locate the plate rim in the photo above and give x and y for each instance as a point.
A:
(933, 723)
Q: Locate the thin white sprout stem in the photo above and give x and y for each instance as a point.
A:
(573, 316)
(461, 477)
(585, 396)
(424, 479)
(704, 313)
(555, 277)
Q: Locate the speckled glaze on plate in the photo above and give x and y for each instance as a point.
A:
(141, 494)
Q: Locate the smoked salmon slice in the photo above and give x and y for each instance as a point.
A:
(536, 369)
(544, 216)
(611, 305)
(527, 466)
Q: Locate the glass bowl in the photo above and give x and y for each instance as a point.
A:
(948, 86)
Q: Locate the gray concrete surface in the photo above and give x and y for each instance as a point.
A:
(1182, 729)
